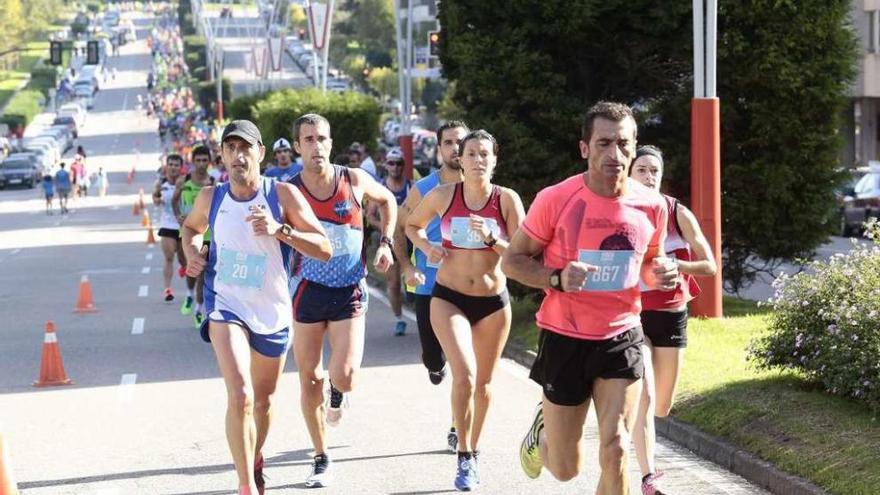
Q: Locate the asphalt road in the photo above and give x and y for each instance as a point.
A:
(145, 415)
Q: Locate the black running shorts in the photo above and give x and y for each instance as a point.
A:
(666, 328)
(566, 367)
(172, 233)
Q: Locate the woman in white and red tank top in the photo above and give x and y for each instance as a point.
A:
(470, 307)
(664, 314)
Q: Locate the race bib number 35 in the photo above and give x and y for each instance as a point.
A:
(618, 270)
(465, 238)
(241, 269)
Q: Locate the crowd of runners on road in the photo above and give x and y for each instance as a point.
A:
(276, 259)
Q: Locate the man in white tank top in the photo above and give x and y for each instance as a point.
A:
(255, 222)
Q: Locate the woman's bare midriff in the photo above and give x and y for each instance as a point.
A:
(472, 272)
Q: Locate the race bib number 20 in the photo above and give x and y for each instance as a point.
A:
(241, 269)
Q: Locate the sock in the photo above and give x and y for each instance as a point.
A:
(645, 477)
(198, 308)
(466, 455)
(189, 292)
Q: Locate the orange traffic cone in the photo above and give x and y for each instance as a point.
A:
(85, 302)
(7, 483)
(130, 177)
(145, 218)
(136, 209)
(51, 367)
(141, 199)
(151, 239)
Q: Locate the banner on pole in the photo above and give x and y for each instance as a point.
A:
(320, 15)
(276, 50)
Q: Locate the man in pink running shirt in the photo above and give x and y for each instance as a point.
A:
(600, 235)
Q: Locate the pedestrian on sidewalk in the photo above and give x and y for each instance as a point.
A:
(470, 305)
(256, 223)
(330, 299)
(664, 314)
(49, 192)
(588, 241)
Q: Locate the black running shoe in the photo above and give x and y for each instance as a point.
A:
(320, 475)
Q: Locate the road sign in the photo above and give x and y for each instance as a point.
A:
(55, 52)
(421, 55)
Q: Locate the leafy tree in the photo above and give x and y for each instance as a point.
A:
(527, 71)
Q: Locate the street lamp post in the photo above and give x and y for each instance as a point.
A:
(706, 151)
(404, 69)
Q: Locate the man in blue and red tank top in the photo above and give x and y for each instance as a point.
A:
(331, 298)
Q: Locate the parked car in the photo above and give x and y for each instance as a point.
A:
(859, 200)
(68, 122)
(46, 159)
(46, 143)
(60, 133)
(20, 169)
(75, 110)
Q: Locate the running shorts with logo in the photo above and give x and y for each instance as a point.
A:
(613, 234)
(246, 276)
(341, 279)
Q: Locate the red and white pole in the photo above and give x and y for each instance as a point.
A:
(706, 153)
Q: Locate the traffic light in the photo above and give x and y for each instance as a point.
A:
(434, 43)
(92, 53)
(55, 52)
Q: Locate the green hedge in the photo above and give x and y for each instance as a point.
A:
(43, 78)
(353, 116)
(200, 73)
(206, 93)
(22, 108)
(195, 50)
(243, 106)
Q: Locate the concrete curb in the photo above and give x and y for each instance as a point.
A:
(726, 455)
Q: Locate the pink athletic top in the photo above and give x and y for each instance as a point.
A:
(614, 234)
(675, 247)
(455, 222)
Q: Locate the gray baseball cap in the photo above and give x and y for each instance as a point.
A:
(244, 129)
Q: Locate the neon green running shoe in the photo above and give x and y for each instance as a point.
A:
(529, 451)
(187, 307)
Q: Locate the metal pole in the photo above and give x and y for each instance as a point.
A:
(220, 87)
(409, 65)
(699, 51)
(326, 50)
(711, 45)
(401, 63)
(706, 156)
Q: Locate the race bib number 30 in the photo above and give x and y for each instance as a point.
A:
(465, 238)
(241, 269)
(618, 270)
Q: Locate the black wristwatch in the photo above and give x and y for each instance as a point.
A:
(387, 241)
(286, 230)
(556, 280)
(491, 241)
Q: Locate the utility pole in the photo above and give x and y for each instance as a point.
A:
(706, 151)
(404, 68)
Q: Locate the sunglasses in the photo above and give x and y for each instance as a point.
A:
(395, 163)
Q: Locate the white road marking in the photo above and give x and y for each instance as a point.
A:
(143, 291)
(126, 387)
(137, 326)
(149, 256)
(145, 270)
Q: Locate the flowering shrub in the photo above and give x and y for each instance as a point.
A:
(826, 323)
